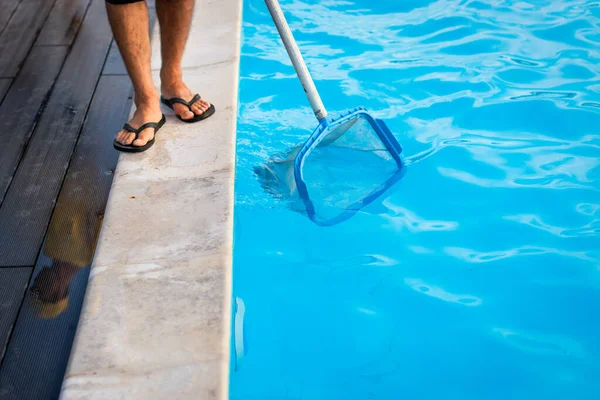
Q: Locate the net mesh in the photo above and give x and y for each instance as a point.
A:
(342, 173)
(349, 164)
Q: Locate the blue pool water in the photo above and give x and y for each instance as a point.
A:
(477, 275)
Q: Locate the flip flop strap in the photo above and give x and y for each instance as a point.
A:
(188, 104)
(137, 131)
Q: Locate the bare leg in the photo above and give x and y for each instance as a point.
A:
(175, 18)
(129, 24)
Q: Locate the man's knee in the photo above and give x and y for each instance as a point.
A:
(123, 1)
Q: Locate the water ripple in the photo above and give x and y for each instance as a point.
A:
(474, 256)
(591, 228)
(487, 249)
(439, 293)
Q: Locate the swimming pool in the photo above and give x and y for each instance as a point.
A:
(477, 275)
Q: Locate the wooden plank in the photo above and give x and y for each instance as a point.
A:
(63, 22)
(29, 369)
(28, 204)
(8, 8)
(13, 282)
(84, 194)
(20, 33)
(4, 85)
(114, 63)
(18, 114)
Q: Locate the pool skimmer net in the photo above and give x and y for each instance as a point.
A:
(368, 145)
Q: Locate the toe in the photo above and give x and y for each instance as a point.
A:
(144, 137)
(201, 106)
(197, 108)
(183, 111)
(124, 137)
(128, 138)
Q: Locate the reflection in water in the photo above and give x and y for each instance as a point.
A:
(49, 295)
(439, 293)
(474, 256)
(592, 228)
(402, 218)
(38, 352)
(588, 209)
(39, 349)
(238, 332)
(541, 344)
(70, 246)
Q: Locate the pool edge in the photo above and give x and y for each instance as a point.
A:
(156, 316)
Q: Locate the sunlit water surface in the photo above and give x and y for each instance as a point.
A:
(477, 275)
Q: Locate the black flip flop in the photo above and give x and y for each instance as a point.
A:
(131, 148)
(169, 103)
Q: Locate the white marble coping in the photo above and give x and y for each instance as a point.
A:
(155, 323)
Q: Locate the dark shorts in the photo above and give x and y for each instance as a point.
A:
(123, 1)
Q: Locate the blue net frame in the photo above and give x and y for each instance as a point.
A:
(325, 127)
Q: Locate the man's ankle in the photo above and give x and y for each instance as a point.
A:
(171, 76)
(146, 99)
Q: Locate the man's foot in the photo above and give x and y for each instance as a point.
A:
(144, 113)
(179, 89)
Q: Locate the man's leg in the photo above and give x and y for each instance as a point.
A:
(129, 23)
(175, 18)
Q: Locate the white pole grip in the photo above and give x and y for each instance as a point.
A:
(292, 49)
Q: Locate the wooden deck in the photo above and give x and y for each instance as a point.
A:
(64, 93)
